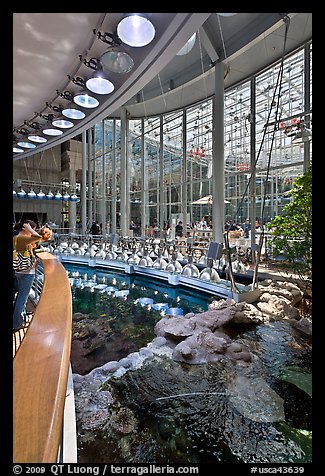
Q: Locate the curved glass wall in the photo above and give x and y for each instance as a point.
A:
(169, 157)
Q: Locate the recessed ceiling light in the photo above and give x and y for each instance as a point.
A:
(116, 61)
(98, 84)
(136, 30)
(27, 145)
(37, 138)
(72, 113)
(52, 132)
(63, 123)
(85, 100)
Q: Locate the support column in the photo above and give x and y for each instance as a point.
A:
(144, 184)
(271, 198)
(276, 209)
(90, 184)
(218, 161)
(103, 200)
(191, 192)
(161, 180)
(252, 186)
(72, 206)
(169, 217)
(114, 197)
(94, 178)
(184, 177)
(307, 105)
(84, 184)
(124, 218)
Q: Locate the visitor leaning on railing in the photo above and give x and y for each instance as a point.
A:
(24, 265)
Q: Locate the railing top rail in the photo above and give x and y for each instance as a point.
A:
(41, 370)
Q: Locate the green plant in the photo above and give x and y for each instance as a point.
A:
(291, 232)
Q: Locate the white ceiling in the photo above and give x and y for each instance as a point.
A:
(46, 48)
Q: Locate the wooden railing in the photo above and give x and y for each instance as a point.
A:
(40, 370)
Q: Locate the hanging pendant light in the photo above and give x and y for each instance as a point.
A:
(14, 194)
(40, 195)
(136, 30)
(66, 197)
(49, 196)
(58, 196)
(31, 194)
(73, 198)
(21, 193)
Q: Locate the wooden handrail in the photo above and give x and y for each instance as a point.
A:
(40, 370)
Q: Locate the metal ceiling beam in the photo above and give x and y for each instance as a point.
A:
(208, 45)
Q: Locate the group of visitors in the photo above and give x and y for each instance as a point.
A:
(244, 227)
(230, 225)
(26, 238)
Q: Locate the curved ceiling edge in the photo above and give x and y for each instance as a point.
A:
(175, 34)
(202, 86)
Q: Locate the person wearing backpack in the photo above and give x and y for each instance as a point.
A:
(24, 266)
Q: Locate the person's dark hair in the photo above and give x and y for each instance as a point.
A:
(31, 222)
(19, 225)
